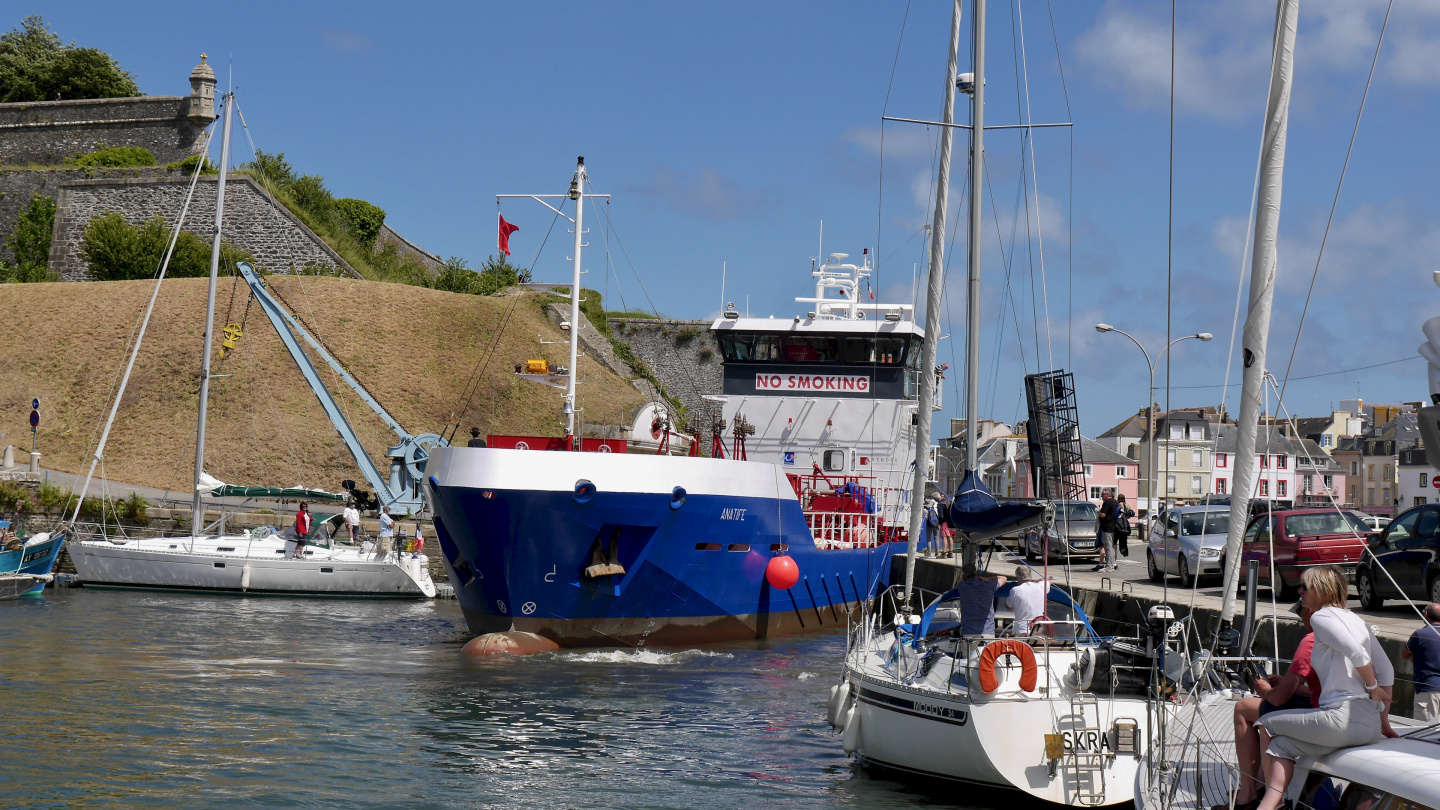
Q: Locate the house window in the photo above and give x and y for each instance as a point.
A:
(1196, 432)
(1352, 494)
(1176, 432)
(1423, 482)
(1307, 485)
(1264, 487)
(1369, 497)
(1354, 468)
(1096, 494)
(1119, 470)
(1170, 484)
(1385, 473)
(1219, 486)
(1089, 470)
(1385, 496)
(1197, 457)
(1280, 489)
(1170, 457)
(1419, 500)
(1220, 460)
(1282, 462)
(992, 482)
(1264, 462)
(1329, 482)
(1326, 440)
(1370, 471)
(1196, 485)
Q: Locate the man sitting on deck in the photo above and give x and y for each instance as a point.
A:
(1027, 599)
(977, 601)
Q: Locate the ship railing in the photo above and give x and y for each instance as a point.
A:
(840, 530)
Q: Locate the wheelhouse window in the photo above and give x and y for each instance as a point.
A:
(771, 347)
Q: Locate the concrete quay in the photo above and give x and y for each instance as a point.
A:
(1117, 601)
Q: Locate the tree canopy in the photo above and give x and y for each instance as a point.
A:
(35, 65)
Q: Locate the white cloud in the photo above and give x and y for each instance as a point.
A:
(706, 193)
(900, 140)
(1222, 52)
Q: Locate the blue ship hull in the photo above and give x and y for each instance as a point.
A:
(694, 567)
(38, 560)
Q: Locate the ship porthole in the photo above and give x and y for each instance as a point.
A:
(584, 491)
(677, 497)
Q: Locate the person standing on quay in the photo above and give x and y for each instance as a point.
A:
(1105, 528)
(1423, 649)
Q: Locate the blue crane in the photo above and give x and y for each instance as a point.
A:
(402, 491)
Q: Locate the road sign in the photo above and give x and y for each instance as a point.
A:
(34, 419)
(1435, 482)
(35, 404)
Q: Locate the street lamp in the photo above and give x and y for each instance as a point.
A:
(1150, 403)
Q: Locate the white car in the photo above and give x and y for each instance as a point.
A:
(1376, 523)
(1187, 541)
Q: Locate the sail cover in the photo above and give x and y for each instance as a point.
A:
(278, 493)
(980, 516)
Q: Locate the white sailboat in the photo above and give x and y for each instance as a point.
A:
(1059, 714)
(249, 562)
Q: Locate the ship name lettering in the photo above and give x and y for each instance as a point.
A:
(942, 711)
(733, 513)
(1086, 741)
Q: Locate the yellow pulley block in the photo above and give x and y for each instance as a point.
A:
(230, 338)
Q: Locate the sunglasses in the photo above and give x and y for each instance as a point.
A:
(1301, 588)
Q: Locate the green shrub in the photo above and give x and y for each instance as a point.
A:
(187, 166)
(134, 510)
(17, 499)
(456, 277)
(35, 65)
(114, 157)
(686, 334)
(115, 250)
(53, 498)
(309, 193)
(30, 242)
(271, 170)
(361, 218)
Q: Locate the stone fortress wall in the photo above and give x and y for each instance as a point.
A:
(48, 132)
(685, 358)
(254, 221)
(37, 137)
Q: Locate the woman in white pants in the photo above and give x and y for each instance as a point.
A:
(1354, 703)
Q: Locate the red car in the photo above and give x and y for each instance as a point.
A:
(1300, 539)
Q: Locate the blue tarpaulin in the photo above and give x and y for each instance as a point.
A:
(975, 510)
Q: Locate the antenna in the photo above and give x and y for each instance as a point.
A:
(722, 285)
(821, 254)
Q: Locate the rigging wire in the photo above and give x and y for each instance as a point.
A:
(1314, 376)
(1029, 138)
(1070, 215)
(1335, 203)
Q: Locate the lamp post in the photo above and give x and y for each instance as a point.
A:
(1150, 403)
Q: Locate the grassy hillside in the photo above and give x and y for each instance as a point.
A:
(412, 348)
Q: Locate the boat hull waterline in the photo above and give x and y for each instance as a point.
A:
(35, 559)
(517, 540)
(108, 565)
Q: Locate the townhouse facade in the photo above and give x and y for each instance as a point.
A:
(1005, 463)
(1183, 443)
(1273, 465)
(1379, 464)
(1415, 479)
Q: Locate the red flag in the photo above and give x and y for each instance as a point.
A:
(505, 230)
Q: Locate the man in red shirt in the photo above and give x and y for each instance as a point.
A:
(303, 521)
(1297, 690)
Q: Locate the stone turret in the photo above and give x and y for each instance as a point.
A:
(202, 93)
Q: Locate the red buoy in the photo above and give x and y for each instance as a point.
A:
(782, 573)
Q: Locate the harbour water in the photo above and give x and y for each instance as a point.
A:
(170, 700)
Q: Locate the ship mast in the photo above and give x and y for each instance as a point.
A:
(197, 509)
(577, 193)
(935, 280)
(1262, 292)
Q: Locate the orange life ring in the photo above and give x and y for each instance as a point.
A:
(1028, 672)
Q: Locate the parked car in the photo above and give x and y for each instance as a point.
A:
(1406, 564)
(1187, 541)
(1074, 529)
(1303, 538)
(1375, 522)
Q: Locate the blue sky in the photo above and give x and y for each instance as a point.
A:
(727, 132)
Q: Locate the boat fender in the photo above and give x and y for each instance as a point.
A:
(782, 573)
(839, 702)
(850, 738)
(245, 578)
(1082, 672)
(1009, 646)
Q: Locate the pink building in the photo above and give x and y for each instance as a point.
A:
(1007, 470)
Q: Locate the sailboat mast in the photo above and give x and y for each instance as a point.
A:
(927, 381)
(577, 193)
(197, 510)
(972, 290)
(1262, 291)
